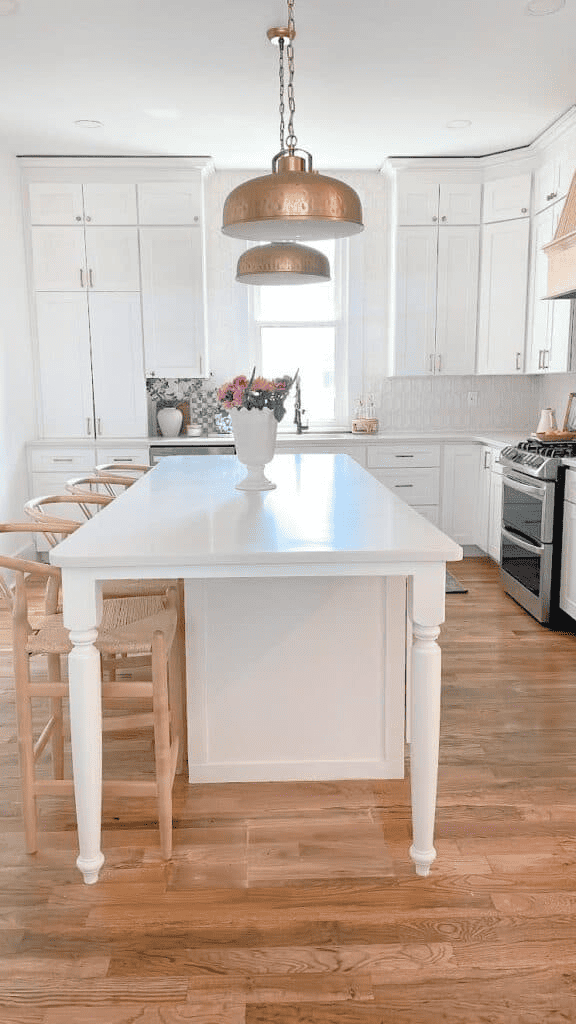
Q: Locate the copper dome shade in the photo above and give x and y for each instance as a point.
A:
(283, 263)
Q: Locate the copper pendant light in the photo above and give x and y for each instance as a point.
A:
(283, 263)
(294, 202)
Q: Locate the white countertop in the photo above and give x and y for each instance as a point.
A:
(326, 509)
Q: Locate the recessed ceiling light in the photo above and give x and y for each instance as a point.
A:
(165, 115)
(540, 7)
(9, 6)
(458, 124)
(85, 123)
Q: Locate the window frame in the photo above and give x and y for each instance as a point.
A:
(340, 275)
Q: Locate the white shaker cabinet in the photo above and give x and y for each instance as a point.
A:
(172, 301)
(436, 300)
(61, 203)
(170, 202)
(507, 198)
(549, 331)
(568, 566)
(503, 296)
(460, 481)
(91, 372)
(78, 259)
(430, 202)
(489, 502)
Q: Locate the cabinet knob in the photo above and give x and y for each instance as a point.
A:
(78, 217)
(524, 209)
(444, 218)
(434, 219)
(88, 218)
(551, 195)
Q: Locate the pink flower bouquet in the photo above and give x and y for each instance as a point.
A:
(256, 393)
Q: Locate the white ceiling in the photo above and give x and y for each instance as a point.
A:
(374, 78)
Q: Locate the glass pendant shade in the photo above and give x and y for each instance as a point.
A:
(283, 263)
(294, 202)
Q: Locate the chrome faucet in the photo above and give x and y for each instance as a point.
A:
(298, 410)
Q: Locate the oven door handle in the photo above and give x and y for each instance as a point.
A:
(534, 491)
(534, 549)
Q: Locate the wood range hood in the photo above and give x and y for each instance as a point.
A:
(561, 251)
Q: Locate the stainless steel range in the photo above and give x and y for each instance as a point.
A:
(533, 490)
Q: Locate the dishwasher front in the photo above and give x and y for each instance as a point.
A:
(160, 451)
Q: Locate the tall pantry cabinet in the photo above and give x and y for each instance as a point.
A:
(117, 278)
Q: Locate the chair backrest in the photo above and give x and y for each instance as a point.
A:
(123, 467)
(100, 483)
(13, 573)
(50, 511)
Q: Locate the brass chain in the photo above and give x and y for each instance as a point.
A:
(291, 140)
(282, 125)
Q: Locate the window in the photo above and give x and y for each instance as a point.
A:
(303, 327)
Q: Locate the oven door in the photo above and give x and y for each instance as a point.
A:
(528, 507)
(526, 571)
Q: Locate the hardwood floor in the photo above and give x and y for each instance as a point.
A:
(297, 903)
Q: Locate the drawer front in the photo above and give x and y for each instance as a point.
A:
(570, 486)
(60, 460)
(141, 456)
(414, 486)
(403, 456)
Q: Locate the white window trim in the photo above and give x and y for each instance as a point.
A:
(345, 370)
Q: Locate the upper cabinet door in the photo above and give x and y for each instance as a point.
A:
(172, 301)
(460, 204)
(59, 259)
(110, 204)
(540, 320)
(457, 302)
(112, 259)
(55, 203)
(503, 296)
(170, 202)
(417, 201)
(507, 198)
(416, 269)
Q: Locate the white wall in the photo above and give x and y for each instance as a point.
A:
(17, 417)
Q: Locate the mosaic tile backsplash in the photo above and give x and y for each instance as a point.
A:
(198, 397)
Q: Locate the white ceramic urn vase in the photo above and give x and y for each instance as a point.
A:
(169, 421)
(255, 440)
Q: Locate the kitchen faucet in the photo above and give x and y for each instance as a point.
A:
(298, 410)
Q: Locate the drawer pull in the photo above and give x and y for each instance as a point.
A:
(62, 460)
(403, 456)
(403, 485)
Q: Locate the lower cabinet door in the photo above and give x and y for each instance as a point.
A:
(568, 572)
(64, 366)
(118, 364)
(460, 482)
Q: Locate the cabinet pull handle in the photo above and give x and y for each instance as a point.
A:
(88, 425)
(403, 456)
(403, 485)
(62, 460)
(200, 365)
(91, 278)
(486, 460)
(518, 360)
(551, 195)
(98, 426)
(546, 358)
(429, 360)
(439, 362)
(540, 359)
(81, 278)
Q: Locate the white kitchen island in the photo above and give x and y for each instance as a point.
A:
(308, 611)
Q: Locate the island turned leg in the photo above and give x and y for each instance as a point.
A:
(81, 614)
(427, 612)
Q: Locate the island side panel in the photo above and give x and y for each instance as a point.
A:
(295, 678)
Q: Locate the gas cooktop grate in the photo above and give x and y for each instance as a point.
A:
(550, 449)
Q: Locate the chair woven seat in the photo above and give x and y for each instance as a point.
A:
(126, 628)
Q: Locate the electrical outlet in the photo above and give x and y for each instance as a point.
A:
(472, 398)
